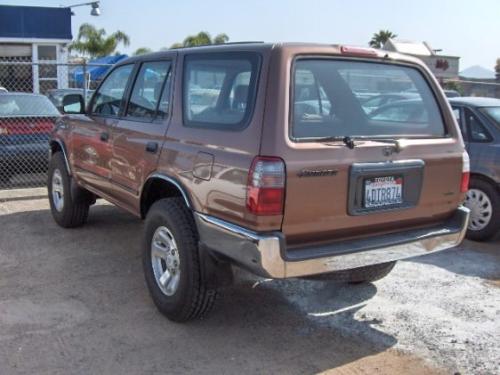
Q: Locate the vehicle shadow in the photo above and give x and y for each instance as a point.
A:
(479, 259)
(95, 272)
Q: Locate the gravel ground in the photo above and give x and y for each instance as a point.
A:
(74, 301)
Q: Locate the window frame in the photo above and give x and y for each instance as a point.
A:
(461, 121)
(255, 59)
(156, 118)
(126, 92)
(329, 57)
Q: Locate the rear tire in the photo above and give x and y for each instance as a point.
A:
(69, 204)
(358, 275)
(370, 273)
(171, 262)
(482, 198)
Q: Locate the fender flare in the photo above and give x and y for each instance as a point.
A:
(63, 149)
(174, 182)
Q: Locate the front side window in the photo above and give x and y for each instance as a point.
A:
(219, 89)
(108, 100)
(337, 98)
(148, 89)
(477, 131)
(493, 113)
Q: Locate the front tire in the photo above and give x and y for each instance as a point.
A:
(69, 210)
(171, 262)
(484, 202)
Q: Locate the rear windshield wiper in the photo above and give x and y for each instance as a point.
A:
(396, 142)
(348, 141)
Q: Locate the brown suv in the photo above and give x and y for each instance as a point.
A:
(268, 157)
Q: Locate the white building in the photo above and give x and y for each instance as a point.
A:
(443, 66)
(37, 38)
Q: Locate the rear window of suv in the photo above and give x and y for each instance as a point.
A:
(338, 98)
(219, 89)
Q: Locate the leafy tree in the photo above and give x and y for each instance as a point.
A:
(454, 85)
(201, 39)
(142, 51)
(497, 69)
(94, 42)
(379, 39)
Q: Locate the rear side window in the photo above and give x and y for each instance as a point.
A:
(219, 89)
(148, 89)
(20, 105)
(334, 98)
(108, 100)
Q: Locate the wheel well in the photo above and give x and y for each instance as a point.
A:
(485, 179)
(155, 189)
(55, 147)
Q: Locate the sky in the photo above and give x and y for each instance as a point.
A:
(466, 28)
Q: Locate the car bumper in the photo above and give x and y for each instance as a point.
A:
(24, 153)
(266, 254)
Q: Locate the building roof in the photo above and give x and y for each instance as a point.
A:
(409, 47)
(24, 22)
(476, 101)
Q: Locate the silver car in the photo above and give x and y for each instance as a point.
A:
(479, 120)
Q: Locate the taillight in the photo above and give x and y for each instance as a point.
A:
(464, 185)
(266, 186)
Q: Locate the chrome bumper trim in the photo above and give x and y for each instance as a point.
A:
(263, 253)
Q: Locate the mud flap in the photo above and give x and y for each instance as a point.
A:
(215, 272)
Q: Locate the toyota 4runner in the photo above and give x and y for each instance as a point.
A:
(289, 160)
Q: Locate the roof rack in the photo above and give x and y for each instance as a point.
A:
(242, 42)
(223, 44)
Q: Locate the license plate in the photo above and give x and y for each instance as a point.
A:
(383, 191)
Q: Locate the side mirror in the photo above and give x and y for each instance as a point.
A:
(73, 104)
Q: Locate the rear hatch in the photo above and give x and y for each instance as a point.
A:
(369, 150)
(26, 130)
(26, 121)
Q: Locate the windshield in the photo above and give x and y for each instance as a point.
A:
(493, 113)
(26, 105)
(334, 98)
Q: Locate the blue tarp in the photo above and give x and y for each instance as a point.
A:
(35, 22)
(96, 72)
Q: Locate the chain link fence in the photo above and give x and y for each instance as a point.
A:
(30, 103)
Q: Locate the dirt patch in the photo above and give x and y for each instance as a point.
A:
(74, 301)
(387, 363)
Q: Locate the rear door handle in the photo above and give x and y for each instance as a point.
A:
(104, 136)
(152, 147)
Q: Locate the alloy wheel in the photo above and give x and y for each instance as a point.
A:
(165, 261)
(57, 190)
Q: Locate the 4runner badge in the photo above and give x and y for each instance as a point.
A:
(317, 172)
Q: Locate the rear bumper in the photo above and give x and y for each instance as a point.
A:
(266, 254)
(23, 155)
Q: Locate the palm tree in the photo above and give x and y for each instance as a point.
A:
(94, 42)
(142, 51)
(201, 39)
(380, 38)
